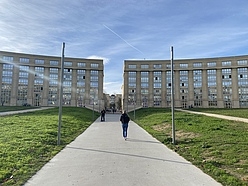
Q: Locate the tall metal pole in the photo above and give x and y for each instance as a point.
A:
(134, 104)
(93, 109)
(61, 92)
(172, 98)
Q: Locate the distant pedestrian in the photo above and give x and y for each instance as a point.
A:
(124, 121)
(103, 115)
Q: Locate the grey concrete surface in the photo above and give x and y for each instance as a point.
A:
(101, 157)
(216, 115)
(22, 111)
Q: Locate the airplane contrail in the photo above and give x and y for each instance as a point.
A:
(123, 39)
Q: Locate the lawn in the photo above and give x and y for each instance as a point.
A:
(29, 140)
(218, 147)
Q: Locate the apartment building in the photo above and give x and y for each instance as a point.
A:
(220, 82)
(35, 80)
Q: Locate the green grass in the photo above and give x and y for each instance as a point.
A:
(29, 140)
(218, 147)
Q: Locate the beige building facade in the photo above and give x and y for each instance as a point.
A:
(34, 80)
(207, 83)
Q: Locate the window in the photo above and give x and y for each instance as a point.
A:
(54, 63)
(226, 63)
(242, 62)
(132, 66)
(8, 58)
(197, 78)
(94, 78)
(157, 76)
(132, 79)
(54, 70)
(7, 73)
(93, 84)
(67, 84)
(39, 61)
(94, 65)
(145, 66)
(94, 72)
(39, 69)
(211, 64)
(132, 74)
(81, 64)
(23, 81)
(183, 65)
(38, 82)
(144, 74)
(144, 85)
(157, 66)
(145, 79)
(157, 85)
(144, 91)
(196, 65)
(7, 80)
(24, 68)
(54, 76)
(68, 64)
(8, 67)
(23, 74)
(24, 60)
(81, 71)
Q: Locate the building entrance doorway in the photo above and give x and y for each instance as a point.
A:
(37, 99)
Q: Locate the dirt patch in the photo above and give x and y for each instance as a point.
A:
(186, 135)
(179, 134)
(161, 127)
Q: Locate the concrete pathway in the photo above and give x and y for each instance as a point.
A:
(101, 157)
(22, 111)
(216, 115)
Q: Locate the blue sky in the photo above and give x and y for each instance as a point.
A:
(117, 30)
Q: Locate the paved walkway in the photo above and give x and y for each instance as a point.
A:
(101, 157)
(22, 111)
(217, 115)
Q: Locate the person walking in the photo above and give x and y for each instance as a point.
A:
(124, 120)
(103, 115)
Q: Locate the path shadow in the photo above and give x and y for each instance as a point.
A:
(131, 155)
(142, 141)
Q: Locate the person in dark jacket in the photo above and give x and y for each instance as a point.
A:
(124, 120)
(103, 115)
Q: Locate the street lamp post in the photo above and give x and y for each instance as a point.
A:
(134, 103)
(172, 98)
(93, 104)
(93, 109)
(61, 92)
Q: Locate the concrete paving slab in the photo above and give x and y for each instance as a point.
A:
(216, 115)
(101, 157)
(22, 111)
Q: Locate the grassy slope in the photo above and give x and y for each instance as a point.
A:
(29, 140)
(218, 147)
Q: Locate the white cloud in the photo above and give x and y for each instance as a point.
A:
(113, 87)
(105, 60)
(141, 30)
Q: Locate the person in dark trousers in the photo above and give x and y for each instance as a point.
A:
(124, 120)
(103, 115)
